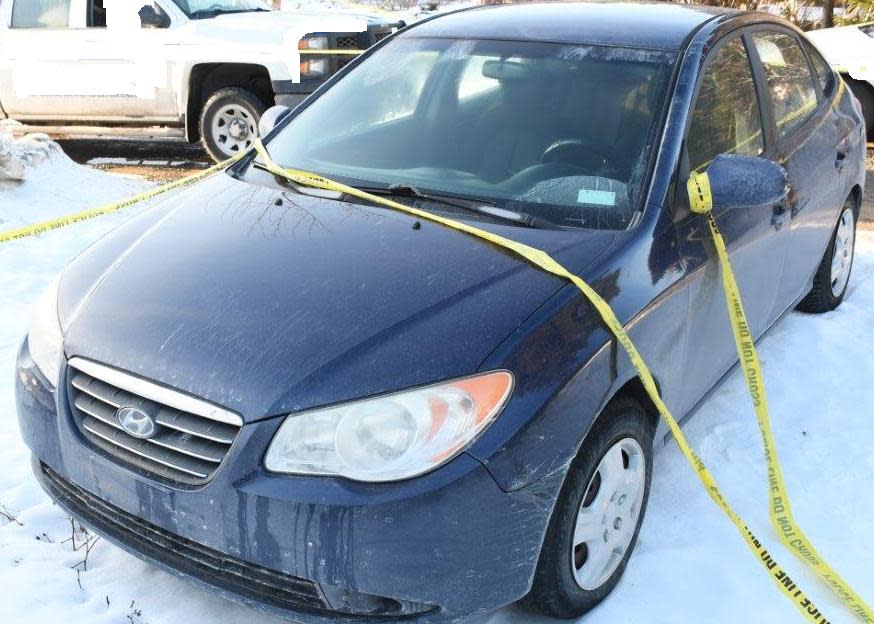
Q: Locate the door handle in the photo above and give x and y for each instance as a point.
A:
(778, 215)
(843, 150)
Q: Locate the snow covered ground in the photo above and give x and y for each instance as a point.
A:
(689, 566)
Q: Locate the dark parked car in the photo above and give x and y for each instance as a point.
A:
(326, 409)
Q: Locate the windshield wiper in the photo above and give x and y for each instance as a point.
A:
(480, 207)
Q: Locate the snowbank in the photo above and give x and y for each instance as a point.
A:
(690, 565)
(16, 156)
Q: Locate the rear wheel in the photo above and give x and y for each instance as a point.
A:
(596, 520)
(833, 275)
(229, 122)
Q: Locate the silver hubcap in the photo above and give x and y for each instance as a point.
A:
(233, 129)
(842, 259)
(608, 514)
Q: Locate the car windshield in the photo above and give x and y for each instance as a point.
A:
(562, 132)
(215, 7)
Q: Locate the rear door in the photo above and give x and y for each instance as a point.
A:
(812, 142)
(727, 119)
(84, 60)
(39, 35)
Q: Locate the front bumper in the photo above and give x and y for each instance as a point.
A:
(289, 93)
(434, 548)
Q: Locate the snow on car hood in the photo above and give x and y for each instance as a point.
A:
(267, 309)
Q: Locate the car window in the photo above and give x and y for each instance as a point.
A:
(473, 82)
(560, 131)
(96, 14)
(726, 116)
(402, 83)
(790, 84)
(821, 68)
(41, 14)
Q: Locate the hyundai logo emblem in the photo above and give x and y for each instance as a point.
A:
(136, 422)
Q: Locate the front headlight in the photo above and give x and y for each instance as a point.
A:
(313, 42)
(44, 338)
(392, 437)
(314, 68)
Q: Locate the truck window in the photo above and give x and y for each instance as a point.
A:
(96, 14)
(41, 14)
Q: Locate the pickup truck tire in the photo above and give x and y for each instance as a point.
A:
(229, 122)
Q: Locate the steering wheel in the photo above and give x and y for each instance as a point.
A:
(580, 153)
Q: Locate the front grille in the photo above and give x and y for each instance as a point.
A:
(344, 42)
(213, 567)
(379, 36)
(191, 436)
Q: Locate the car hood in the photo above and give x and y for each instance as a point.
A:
(279, 27)
(263, 308)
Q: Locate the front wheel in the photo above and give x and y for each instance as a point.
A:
(229, 122)
(596, 520)
(833, 275)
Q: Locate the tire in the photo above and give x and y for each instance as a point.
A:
(831, 280)
(563, 587)
(865, 94)
(229, 122)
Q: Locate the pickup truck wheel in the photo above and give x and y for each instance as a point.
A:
(229, 122)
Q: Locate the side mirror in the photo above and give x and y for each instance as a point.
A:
(151, 18)
(734, 181)
(270, 118)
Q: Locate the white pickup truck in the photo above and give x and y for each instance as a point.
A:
(202, 70)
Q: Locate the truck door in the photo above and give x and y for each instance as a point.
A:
(85, 60)
(38, 34)
(128, 58)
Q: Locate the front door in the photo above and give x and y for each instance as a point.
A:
(727, 119)
(131, 60)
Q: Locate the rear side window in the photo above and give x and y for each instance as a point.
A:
(41, 14)
(790, 84)
(726, 115)
(821, 68)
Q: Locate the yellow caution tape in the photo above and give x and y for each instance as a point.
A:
(786, 527)
(780, 510)
(54, 224)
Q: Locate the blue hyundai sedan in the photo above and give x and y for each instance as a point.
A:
(331, 410)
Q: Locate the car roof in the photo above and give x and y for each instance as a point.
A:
(662, 26)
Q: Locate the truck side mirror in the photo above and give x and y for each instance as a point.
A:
(271, 117)
(151, 18)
